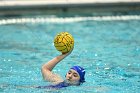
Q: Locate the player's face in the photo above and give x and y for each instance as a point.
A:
(73, 77)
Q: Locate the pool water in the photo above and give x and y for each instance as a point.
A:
(108, 50)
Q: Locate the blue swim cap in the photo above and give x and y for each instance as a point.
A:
(80, 71)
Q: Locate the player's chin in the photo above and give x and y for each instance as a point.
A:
(68, 80)
(73, 82)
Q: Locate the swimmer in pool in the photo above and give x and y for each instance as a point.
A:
(74, 77)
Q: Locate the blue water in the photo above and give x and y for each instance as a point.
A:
(108, 50)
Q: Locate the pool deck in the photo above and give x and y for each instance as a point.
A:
(60, 3)
(13, 7)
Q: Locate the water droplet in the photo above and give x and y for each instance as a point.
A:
(128, 64)
(106, 68)
(137, 49)
(96, 55)
(9, 59)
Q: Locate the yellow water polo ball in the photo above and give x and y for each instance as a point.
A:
(64, 42)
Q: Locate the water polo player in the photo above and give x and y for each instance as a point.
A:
(74, 77)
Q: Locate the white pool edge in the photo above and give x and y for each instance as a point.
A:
(67, 19)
